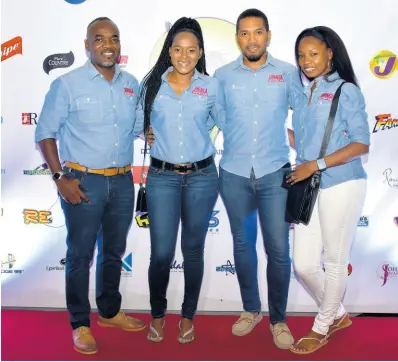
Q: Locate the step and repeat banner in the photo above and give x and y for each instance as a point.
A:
(43, 39)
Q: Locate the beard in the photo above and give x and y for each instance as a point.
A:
(107, 64)
(254, 57)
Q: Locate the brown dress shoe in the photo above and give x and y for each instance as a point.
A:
(84, 341)
(122, 321)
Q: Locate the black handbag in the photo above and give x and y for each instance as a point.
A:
(301, 196)
(141, 207)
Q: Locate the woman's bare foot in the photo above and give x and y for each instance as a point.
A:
(187, 332)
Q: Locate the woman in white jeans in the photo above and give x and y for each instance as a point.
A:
(324, 61)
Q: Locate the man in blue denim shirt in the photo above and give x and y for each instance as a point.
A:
(258, 90)
(92, 110)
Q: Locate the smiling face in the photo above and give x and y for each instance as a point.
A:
(253, 38)
(103, 43)
(185, 52)
(314, 57)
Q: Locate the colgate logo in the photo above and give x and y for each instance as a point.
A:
(326, 97)
(11, 47)
(200, 91)
(276, 78)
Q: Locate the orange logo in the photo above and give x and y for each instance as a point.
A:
(137, 174)
(11, 48)
(36, 217)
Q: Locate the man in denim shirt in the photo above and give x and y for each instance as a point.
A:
(258, 91)
(92, 110)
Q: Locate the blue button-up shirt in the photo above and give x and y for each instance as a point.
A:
(350, 125)
(257, 102)
(181, 124)
(92, 117)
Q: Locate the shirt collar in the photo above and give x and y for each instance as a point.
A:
(239, 62)
(321, 80)
(93, 72)
(195, 76)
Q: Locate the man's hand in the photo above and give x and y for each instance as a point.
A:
(151, 137)
(70, 191)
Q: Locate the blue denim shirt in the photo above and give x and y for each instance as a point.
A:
(257, 103)
(350, 125)
(92, 117)
(181, 124)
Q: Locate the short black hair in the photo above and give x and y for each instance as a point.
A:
(96, 20)
(252, 13)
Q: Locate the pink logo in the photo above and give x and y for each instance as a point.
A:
(326, 97)
(396, 220)
(200, 91)
(386, 271)
(129, 92)
(275, 78)
(123, 60)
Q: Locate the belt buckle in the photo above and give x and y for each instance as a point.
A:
(183, 169)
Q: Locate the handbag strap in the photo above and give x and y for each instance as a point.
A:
(329, 125)
(143, 162)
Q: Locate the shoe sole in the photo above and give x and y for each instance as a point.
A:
(85, 352)
(124, 329)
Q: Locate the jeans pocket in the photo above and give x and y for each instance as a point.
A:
(71, 174)
(209, 171)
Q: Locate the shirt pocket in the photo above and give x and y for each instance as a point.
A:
(236, 96)
(273, 93)
(129, 108)
(88, 109)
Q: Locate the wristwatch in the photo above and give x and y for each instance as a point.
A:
(321, 164)
(57, 175)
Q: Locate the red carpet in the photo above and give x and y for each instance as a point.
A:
(37, 335)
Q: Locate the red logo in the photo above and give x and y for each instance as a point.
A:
(29, 119)
(137, 174)
(326, 97)
(123, 60)
(129, 92)
(275, 78)
(349, 269)
(11, 47)
(200, 91)
(386, 271)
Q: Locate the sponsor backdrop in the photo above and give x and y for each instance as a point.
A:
(33, 229)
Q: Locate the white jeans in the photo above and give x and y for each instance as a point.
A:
(332, 230)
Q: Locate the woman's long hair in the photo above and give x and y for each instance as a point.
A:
(341, 62)
(153, 79)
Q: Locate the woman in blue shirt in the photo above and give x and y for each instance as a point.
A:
(325, 63)
(180, 102)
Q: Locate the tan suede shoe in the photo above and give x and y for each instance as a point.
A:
(84, 341)
(122, 321)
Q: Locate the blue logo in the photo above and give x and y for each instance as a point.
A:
(3, 171)
(1, 119)
(214, 222)
(292, 272)
(75, 2)
(363, 221)
(227, 268)
(177, 267)
(127, 263)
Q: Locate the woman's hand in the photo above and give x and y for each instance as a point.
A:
(302, 172)
(151, 137)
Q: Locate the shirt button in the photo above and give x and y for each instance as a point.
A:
(255, 74)
(116, 144)
(255, 89)
(114, 106)
(179, 129)
(88, 99)
(254, 156)
(115, 125)
(179, 102)
(180, 143)
(182, 156)
(256, 105)
(114, 162)
(255, 122)
(179, 115)
(254, 140)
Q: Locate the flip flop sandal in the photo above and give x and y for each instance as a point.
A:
(158, 337)
(322, 342)
(344, 322)
(182, 339)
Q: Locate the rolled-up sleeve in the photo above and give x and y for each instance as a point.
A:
(54, 112)
(139, 114)
(295, 87)
(217, 112)
(353, 111)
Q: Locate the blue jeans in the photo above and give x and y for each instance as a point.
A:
(242, 198)
(170, 198)
(109, 216)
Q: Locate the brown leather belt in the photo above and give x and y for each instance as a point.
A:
(113, 171)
